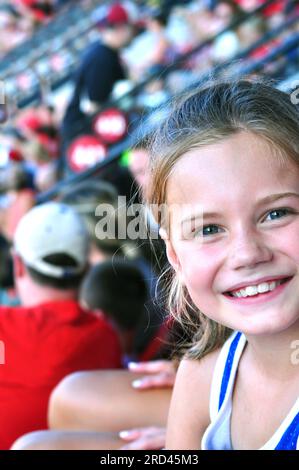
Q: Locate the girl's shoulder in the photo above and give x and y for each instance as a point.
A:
(202, 371)
(199, 373)
(189, 412)
(201, 366)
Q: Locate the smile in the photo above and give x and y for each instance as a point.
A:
(258, 290)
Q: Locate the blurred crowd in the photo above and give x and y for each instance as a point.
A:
(19, 19)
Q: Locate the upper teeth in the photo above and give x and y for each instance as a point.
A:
(259, 289)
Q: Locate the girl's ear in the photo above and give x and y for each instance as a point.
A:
(170, 251)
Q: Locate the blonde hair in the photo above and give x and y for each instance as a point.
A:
(204, 116)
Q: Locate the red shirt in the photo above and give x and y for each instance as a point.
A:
(42, 345)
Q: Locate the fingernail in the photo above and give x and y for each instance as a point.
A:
(137, 383)
(133, 365)
(124, 434)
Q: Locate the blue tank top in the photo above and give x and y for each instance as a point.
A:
(217, 435)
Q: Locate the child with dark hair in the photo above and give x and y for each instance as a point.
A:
(119, 289)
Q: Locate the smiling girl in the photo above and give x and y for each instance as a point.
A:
(225, 162)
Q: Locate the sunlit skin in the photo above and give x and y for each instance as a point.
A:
(246, 241)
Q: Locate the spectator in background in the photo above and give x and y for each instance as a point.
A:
(40, 145)
(160, 52)
(17, 182)
(119, 290)
(50, 336)
(99, 70)
(14, 29)
(38, 127)
(85, 197)
(138, 161)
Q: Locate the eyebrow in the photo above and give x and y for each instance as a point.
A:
(275, 197)
(265, 200)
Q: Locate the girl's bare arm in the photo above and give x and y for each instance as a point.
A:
(189, 409)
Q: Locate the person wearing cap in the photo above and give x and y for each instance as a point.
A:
(50, 335)
(99, 70)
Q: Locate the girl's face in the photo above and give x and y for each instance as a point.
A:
(237, 204)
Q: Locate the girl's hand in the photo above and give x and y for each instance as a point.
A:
(150, 438)
(161, 374)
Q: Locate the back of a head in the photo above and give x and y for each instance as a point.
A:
(105, 216)
(91, 199)
(15, 177)
(86, 196)
(118, 288)
(53, 243)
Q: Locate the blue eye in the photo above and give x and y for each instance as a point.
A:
(277, 214)
(208, 230)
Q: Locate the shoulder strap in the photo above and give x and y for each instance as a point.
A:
(225, 365)
(290, 438)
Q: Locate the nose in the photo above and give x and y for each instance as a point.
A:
(247, 250)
